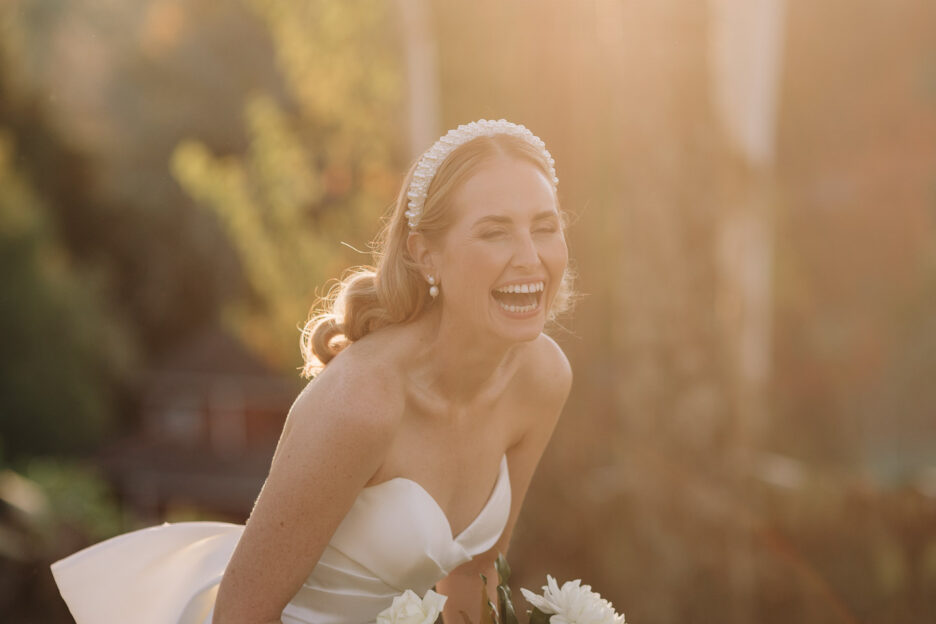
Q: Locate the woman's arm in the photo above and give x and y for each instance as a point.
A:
(548, 384)
(334, 440)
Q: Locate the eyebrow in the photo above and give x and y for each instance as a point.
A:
(546, 214)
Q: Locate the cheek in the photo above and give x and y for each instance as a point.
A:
(556, 261)
(474, 268)
(556, 255)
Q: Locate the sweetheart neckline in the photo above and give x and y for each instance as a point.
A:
(502, 473)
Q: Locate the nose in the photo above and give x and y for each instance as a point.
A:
(526, 254)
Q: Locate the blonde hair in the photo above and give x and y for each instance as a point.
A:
(368, 298)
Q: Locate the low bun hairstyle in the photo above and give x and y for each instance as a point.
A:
(368, 298)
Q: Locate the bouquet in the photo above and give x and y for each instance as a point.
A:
(572, 603)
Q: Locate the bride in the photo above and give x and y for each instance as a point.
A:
(404, 463)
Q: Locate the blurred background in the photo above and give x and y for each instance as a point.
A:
(751, 435)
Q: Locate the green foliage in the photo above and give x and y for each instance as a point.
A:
(488, 610)
(505, 606)
(503, 569)
(503, 612)
(538, 617)
(340, 61)
(311, 178)
(62, 351)
(78, 497)
(504, 598)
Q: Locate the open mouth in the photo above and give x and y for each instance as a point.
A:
(519, 298)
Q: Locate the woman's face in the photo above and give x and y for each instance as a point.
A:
(503, 258)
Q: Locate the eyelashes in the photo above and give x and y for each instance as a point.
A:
(493, 234)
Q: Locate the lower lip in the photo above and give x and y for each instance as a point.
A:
(519, 315)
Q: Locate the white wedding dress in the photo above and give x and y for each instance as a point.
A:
(394, 538)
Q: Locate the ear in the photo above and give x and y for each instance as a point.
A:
(423, 254)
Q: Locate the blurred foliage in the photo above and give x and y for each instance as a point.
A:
(49, 508)
(79, 500)
(667, 542)
(63, 352)
(142, 80)
(309, 178)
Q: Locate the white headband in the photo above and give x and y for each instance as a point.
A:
(433, 157)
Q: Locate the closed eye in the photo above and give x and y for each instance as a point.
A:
(491, 234)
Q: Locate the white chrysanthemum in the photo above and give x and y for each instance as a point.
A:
(573, 603)
(408, 608)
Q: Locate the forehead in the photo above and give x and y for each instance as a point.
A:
(504, 186)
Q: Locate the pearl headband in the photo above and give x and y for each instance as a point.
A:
(431, 160)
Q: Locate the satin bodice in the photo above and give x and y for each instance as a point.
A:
(394, 537)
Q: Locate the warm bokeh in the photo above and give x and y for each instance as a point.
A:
(751, 435)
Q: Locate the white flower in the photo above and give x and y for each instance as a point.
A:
(408, 608)
(573, 603)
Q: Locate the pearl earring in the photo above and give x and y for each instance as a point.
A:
(433, 289)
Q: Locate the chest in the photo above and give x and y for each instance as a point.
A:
(453, 456)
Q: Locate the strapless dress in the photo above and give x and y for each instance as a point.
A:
(395, 537)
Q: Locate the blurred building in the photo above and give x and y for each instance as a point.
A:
(211, 416)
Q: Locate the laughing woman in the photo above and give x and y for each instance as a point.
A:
(405, 462)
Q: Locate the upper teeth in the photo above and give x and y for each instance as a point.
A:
(522, 288)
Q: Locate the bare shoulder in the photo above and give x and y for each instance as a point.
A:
(358, 390)
(336, 436)
(546, 371)
(543, 383)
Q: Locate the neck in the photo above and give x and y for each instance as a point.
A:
(459, 364)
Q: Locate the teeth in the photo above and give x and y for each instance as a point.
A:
(514, 308)
(522, 288)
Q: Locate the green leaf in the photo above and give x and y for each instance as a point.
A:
(503, 569)
(488, 613)
(507, 613)
(538, 617)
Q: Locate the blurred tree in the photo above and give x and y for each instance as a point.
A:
(898, 426)
(856, 156)
(422, 76)
(63, 350)
(96, 99)
(310, 177)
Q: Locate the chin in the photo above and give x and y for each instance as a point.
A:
(518, 325)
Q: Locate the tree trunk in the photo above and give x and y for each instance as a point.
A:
(421, 73)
